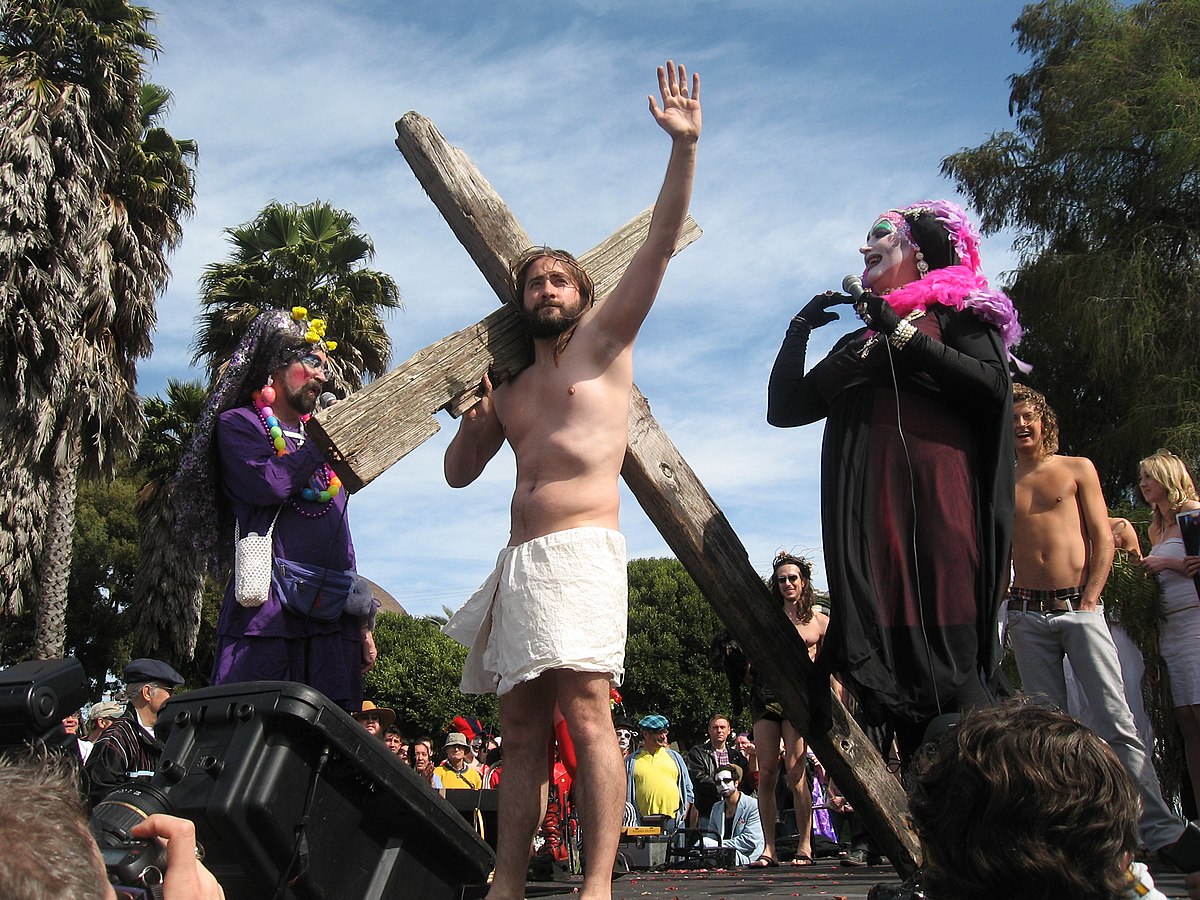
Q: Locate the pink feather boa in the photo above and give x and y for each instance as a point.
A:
(959, 288)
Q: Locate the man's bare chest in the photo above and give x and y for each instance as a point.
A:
(1045, 495)
(539, 401)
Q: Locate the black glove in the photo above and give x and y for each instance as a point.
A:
(881, 316)
(817, 313)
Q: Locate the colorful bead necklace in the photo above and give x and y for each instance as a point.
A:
(323, 484)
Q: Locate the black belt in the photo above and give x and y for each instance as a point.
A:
(1044, 601)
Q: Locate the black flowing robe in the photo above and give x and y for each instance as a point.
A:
(917, 495)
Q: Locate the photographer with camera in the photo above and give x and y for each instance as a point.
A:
(49, 850)
(128, 749)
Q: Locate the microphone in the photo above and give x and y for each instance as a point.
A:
(329, 398)
(853, 286)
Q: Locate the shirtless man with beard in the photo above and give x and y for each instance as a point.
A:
(548, 626)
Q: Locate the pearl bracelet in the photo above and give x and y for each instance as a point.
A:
(902, 335)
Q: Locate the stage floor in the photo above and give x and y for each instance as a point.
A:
(828, 878)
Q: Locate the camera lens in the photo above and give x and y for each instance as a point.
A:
(124, 807)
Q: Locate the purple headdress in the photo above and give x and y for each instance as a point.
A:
(960, 284)
(272, 340)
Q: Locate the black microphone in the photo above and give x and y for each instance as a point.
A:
(327, 399)
(853, 286)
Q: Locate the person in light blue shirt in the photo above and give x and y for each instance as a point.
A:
(735, 818)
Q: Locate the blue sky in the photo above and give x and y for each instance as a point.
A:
(818, 114)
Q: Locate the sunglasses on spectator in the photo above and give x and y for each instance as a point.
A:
(725, 779)
(786, 579)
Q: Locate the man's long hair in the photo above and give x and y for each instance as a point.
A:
(807, 598)
(579, 277)
(1023, 393)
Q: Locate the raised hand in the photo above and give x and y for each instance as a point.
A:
(680, 114)
(817, 311)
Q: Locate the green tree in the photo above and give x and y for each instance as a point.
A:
(308, 256)
(1101, 177)
(103, 569)
(165, 611)
(667, 671)
(418, 673)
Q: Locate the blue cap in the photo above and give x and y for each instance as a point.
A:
(655, 723)
(140, 671)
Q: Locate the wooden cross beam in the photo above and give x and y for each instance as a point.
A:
(446, 375)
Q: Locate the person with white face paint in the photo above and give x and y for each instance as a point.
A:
(626, 737)
(735, 818)
(917, 474)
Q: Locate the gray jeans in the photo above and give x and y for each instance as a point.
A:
(1040, 641)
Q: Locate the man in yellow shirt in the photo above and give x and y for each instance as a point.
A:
(658, 782)
(455, 773)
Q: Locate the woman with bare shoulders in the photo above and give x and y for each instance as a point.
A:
(791, 583)
(1168, 488)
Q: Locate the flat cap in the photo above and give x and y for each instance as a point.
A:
(139, 671)
(655, 723)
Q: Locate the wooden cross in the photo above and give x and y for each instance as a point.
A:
(379, 424)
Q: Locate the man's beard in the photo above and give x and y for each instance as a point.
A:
(303, 401)
(541, 328)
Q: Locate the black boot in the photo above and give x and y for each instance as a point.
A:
(909, 889)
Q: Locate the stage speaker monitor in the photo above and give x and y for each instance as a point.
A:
(35, 696)
(284, 786)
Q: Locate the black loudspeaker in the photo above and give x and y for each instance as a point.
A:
(35, 697)
(278, 780)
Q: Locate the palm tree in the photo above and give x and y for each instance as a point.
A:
(69, 75)
(151, 190)
(167, 590)
(308, 256)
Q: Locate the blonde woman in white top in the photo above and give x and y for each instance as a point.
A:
(1167, 486)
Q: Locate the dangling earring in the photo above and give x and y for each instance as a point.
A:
(922, 266)
(268, 392)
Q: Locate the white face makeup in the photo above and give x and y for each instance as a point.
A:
(624, 739)
(890, 260)
(726, 784)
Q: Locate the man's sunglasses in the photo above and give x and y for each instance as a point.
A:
(786, 579)
(314, 362)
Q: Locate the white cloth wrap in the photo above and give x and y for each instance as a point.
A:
(556, 602)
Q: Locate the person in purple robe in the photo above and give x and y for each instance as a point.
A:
(251, 469)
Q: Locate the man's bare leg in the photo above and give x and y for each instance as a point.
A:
(583, 700)
(797, 775)
(766, 740)
(526, 719)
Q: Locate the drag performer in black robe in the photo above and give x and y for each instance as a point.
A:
(917, 468)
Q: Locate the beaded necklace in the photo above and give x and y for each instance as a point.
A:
(323, 484)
